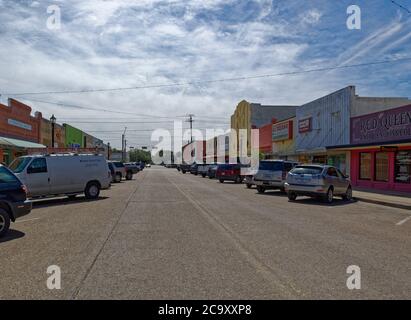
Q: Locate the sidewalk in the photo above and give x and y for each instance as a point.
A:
(394, 199)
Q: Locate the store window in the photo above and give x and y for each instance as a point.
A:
(365, 166)
(338, 161)
(403, 167)
(381, 166)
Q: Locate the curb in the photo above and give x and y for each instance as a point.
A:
(384, 203)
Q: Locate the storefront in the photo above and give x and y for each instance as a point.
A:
(381, 150)
(283, 140)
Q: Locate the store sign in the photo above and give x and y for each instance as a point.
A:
(19, 124)
(305, 125)
(283, 131)
(385, 126)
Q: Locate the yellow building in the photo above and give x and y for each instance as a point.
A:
(254, 115)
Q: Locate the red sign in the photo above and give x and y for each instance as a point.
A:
(305, 125)
(282, 131)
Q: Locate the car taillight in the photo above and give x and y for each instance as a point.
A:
(284, 176)
(24, 188)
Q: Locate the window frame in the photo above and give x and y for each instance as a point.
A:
(359, 166)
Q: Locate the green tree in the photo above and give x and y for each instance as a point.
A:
(140, 155)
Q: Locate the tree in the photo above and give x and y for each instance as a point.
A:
(140, 155)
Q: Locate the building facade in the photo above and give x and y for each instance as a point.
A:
(19, 130)
(46, 133)
(283, 140)
(74, 137)
(253, 115)
(380, 147)
(324, 124)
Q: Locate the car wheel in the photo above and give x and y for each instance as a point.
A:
(330, 195)
(203, 175)
(238, 179)
(249, 186)
(292, 196)
(183, 171)
(260, 189)
(348, 194)
(117, 178)
(129, 175)
(221, 181)
(4, 222)
(92, 190)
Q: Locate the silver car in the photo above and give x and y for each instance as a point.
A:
(318, 181)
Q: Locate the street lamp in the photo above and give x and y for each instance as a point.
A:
(53, 123)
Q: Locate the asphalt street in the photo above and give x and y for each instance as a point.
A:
(165, 235)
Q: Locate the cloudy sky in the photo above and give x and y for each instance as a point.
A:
(143, 43)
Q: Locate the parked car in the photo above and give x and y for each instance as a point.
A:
(148, 165)
(13, 199)
(272, 174)
(194, 169)
(120, 171)
(185, 168)
(133, 167)
(63, 174)
(319, 181)
(249, 181)
(230, 172)
(212, 171)
(203, 169)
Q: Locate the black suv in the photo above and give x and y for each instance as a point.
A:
(13, 199)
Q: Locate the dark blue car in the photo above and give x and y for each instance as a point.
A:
(13, 199)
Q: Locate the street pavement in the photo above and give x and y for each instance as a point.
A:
(166, 235)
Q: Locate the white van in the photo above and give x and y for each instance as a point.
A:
(63, 174)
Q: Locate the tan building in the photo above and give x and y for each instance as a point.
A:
(45, 134)
(254, 115)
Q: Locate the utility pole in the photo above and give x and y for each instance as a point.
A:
(123, 145)
(190, 119)
(108, 151)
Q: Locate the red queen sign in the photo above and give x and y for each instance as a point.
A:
(381, 127)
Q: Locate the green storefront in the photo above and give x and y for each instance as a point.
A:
(74, 137)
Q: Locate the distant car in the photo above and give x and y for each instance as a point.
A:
(148, 165)
(119, 171)
(194, 169)
(321, 181)
(203, 169)
(133, 167)
(63, 174)
(272, 174)
(249, 181)
(184, 167)
(230, 172)
(212, 171)
(13, 199)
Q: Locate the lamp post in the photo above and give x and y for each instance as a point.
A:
(53, 124)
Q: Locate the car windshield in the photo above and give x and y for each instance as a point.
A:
(19, 164)
(6, 176)
(307, 170)
(271, 165)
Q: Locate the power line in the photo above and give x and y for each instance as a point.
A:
(176, 84)
(97, 109)
(401, 6)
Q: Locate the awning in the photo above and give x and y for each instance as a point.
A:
(19, 143)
